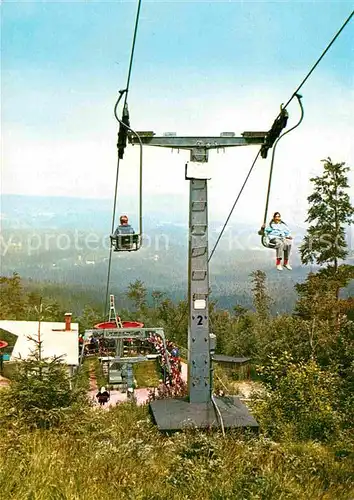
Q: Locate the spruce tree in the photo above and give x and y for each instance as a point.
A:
(261, 299)
(41, 392)
(330, 211)
(13, 298)
(325, 244)
(137, 293)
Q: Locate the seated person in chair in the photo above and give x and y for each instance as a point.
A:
(124, 229)
(279, 238)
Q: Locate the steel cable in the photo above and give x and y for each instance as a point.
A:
(118, 160)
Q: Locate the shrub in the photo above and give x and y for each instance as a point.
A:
(41, 392)
(301, 399)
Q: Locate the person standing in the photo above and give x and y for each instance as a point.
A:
(102, 396)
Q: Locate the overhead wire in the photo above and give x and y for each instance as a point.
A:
(118, 159)
(320, 58)
(283, 107)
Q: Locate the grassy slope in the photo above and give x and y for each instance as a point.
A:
(146, 374)
(120, 454)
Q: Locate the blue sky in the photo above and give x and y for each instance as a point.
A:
(200, 68)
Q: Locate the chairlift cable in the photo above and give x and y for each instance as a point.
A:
(118, 160)
(233, 206)
(320, 58)
(295, 93)
(107, 284)
(133, 49)
(125, 93)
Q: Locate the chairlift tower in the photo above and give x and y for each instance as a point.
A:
(201, 409)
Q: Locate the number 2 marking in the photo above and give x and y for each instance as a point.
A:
(200, 320)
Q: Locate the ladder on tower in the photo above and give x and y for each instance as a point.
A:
(112, 313)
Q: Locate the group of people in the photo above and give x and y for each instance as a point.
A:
(96, 345)
(170, 365)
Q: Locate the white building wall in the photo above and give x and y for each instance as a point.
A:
(56, 341)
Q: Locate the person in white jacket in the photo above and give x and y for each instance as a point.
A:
(279, 238)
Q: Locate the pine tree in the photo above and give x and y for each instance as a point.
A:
(41, 392)
(239, 312)
(13, 299)
(157, 297)
(330, 210)
(137, 293)
(261, 299)
(317, 297)
(325, 244)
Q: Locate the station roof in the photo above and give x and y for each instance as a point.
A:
(56, 340)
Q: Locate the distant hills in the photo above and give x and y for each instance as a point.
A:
(65, 240)
(19, 211)
(160, 211)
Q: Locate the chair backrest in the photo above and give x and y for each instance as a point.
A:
(126, 239)
(125, 242)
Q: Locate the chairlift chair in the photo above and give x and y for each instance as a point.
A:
(273, 142)
(126, 242)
